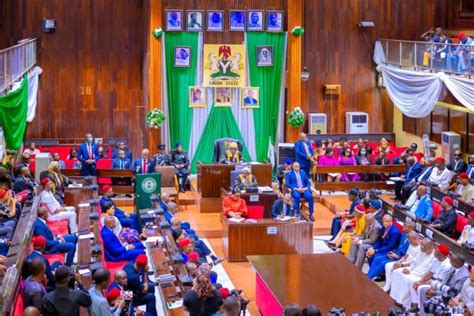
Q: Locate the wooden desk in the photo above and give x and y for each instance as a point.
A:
(118, 173)
(326, 280)
(212, 177)
(438, 195)
(264, 199)
(266, 237)
(76, 196)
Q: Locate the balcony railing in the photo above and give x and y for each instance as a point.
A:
(15, 61)
(428, 56)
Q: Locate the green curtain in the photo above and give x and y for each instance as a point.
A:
(220, 123)
(178, 81)
(13, 110)
(269, 80)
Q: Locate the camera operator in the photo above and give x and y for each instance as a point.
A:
(232, 306)
(65, 301)
(100, 305)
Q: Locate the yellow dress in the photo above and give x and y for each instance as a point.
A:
(359, 228)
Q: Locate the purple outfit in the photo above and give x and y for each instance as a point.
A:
(345, 161)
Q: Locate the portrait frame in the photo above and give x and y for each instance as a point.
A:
(167, 19)
(251, 28)
(177, 50)
(259, 52)
(203, 102)
(219, 104)
(256, 96)
(281, 16)
(209, 25)
(199, 12)
(234, 28)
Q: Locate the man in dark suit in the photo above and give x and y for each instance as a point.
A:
(304, 152)
(470, 167)
(114, 249)
(25, 162)
(39, 245)
(457, 165)
(24, 181)
(250, 98)
(360, 244)
(121, 162)
(119, 282)
(180, 160)
(297, 181)
(64, 301)
(54, 244)
(413, 171)
(446, 221)
(389, 240)
(375, 207)
(121, 146)
(283, 206)
(88, 155)
(126, 219)
(142, 164)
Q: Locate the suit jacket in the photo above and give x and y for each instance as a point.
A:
(424, 210)
(64, 301)
(118, 212)
(402, 246)
(470, 171)
(447, 219)
(461, 166)
(41, 229)
(424, 176)
(292, 182)
(277, 209)
(456, 280)
(83, 153)
(413, 172)
(116, 164)
(248, 100)
(389, 241)
(49, 273)
(128, 154)
(113, 248)
(371, 233)
(300, 153)
(22, 184)
(138, 166)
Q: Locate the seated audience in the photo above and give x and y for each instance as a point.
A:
(8, 214)
(470, 167)
(318, 151)
(347, 231)
(422, 206)
(202, 299)
(363, 159)
(457, 165)
(119, 282)
(439, 272)
(62, 164)
(65, 301)
(311, 310)
(232, 155)
(388, 241)
(413, 171)
(34, 290)
(180, 160)
(348, 160)
(233, 206)
(126, 219)
(440, 176)
(32, 150)
(375, 207)
(54, 244)
(245, 179)
(73, 155)
(24, 182)
(284, 206)
(282, 170)
(24, 162)
(353, 197)
(160, 159)
(142, 164)
(467, 236)
(446, 220)
(60, 181)
(359, 145)
(384, 146)
(465, 189)
(138, 282)
(409, 187)
(381, 260)
(297, 181)
(465, 298)
(292, 310)
(122, 146)
(39, 246)
(189, 245)
(100, 305)
(116, 250)
(328, 159)
(126, 235)
(382, 160)
(121, 162)
(361, 243)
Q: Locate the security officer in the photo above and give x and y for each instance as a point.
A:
(160, 159)
(180, 160)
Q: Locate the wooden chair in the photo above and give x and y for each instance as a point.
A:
(169, 181)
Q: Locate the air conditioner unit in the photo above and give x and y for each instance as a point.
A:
(357, 123)
(450, 142)
(318, 123)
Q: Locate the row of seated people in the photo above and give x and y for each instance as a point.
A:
(408, 261)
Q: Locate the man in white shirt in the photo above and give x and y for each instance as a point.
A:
(32, 150)
(56, 211)
(465, 189)
(440, 175)
(404, 277)
(467, 234)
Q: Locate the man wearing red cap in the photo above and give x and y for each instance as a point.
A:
(126, 219)
(39, 245)
(100, 305)
(440, 175)
(137, 282)
(56, 211)
(467, 235)
(465, 189)
(446, 220)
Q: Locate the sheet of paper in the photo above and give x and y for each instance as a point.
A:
(286, 218)
(235, 220)
(154, 239)
(87, 236)
(84, 205)
(395, 178)
(84, 271)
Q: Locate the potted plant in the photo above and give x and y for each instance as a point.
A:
(296, 117)
(155, 118)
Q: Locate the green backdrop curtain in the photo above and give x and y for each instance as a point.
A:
(220, 123)
(13, 110)
(178, 81)
(269, 80)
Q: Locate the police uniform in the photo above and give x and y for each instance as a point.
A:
(181, 158)
(159, 159)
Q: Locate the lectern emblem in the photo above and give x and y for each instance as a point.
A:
(149, 185)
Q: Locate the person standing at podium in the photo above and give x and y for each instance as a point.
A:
(297, 181)
(142, 164)
(88, 155)
(233, 206)
(304, 152)
(232, 155)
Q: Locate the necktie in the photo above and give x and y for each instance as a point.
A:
(144, 167)
(121, 164)
(298, 180)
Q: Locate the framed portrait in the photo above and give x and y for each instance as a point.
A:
(195, 21)
(223, 97)
(174, 20)
(237, 19)
(182, 56)
(197, 97)
(255, 20)
(215, 21)
(264, 56)
(250, 98)
(275, 21)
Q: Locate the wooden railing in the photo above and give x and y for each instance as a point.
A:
(16, 61)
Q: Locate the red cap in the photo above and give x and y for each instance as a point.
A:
(184, 242)
(440, 160)
(471, 215)
(3, 192)
(106, 188)
(112, 295)
(224, 292)
(141, 260)
(360, 208)
(448, 200)
(463, 175)
(193, 256)
(460, 36)
(443, 249)
(45, 181)
(39, 241)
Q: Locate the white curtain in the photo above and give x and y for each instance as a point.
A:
(165, 128)
(462, 89)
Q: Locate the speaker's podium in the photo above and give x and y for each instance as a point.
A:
(146, 185)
